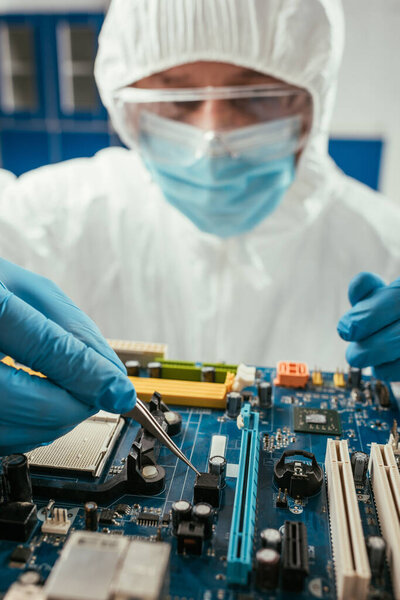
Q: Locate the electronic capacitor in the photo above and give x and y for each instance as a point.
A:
(91, 516)
(359, 465)
(217, 466)
(233, 404)
(181, 511)
(376, 548)
(133, 368)
(264, 390)
(16, 478)
(271, 538)
(208, 374)
(267, 571)
(154, 370)
(204, 513)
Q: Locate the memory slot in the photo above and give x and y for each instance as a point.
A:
(349, 551)
(244, 509)
(385, 481)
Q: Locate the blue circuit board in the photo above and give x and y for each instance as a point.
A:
(205, 577)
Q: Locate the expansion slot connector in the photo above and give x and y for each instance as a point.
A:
(349, 552)
(385, 480)
(244, 508)
(188, 393)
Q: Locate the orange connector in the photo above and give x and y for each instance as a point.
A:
(291, 374)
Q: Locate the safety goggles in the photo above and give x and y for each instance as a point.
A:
(216, 120)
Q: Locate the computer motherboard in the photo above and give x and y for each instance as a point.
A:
(298, 494)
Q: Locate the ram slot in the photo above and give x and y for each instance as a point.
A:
(244, 508)
(349, 552)
(385, 481)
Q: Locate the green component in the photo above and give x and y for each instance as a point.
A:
(317, 420)
(180, 369)
(190, 371)
(221, 370)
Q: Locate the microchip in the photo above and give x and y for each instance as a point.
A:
(148, 519)
(20, 555)
(317, 420)
(123, 509)
(165, 520)
(106, 516)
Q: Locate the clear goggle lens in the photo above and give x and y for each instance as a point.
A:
(217, 121)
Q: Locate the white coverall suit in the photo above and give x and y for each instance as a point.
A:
(101, 228)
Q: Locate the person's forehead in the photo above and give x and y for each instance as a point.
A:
(206, 73)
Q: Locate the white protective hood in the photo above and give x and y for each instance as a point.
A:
(298, 41)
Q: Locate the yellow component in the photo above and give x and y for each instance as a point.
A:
(186, 393)
(173, 391)
(317, 378)
(7, 360)
(338, 379)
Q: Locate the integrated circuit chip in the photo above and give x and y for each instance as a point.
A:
(317, 420)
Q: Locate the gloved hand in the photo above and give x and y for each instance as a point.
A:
(373, 326)
(41, 328)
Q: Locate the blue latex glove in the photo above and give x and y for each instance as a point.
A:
(41, 328)
(373, 326)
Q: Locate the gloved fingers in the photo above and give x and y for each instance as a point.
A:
(377, 349)
(389, 371)
(35, 411)
(31, 401)
(44, 295)
(375, 312)
(39, 343)
(362, 285)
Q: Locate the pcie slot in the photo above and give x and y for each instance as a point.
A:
(244, 507)
(349, 552)
(385, 481)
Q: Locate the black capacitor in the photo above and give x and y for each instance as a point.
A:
(181, 511)
(264, 390)
(154, 370)
(204, 513)
(208, 374)
(217, 466)
(91, 516)
(376, 548)
(267, 574)
(133, 368)
(233, 404)
(382, 393)
(174, 422)
(271, 538)
(16, 478)
(359, 465)
(354, 378)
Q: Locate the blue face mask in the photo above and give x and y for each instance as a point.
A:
(224, 183)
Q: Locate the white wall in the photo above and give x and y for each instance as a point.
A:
(368, 102)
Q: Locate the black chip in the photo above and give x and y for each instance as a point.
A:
(123, 509)
(20, 554)
(148, 519)
(317, 420)
(107, 516)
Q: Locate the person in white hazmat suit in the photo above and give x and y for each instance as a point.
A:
(224, 230)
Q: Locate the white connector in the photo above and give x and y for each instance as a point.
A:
(57, 521)
(244, 377)
(352, 570)
(385, 481)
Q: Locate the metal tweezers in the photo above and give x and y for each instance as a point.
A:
(143, 416)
